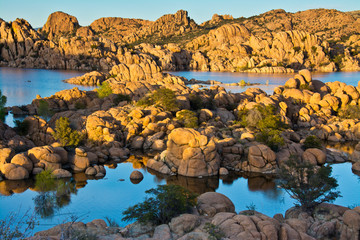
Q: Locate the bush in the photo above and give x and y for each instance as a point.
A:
(44, 111)
(80, 105)
(307, 184)
(104, 90)
(350, 112)
(64, 133)
(168, 201)
(187, 118)
(162, 97)
(271, 138)
(2, 106)
(14, 226)
(120, 98)
(214, 231)
(196, 102)
(312, 142)
(22, 127)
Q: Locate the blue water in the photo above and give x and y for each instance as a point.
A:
(108, 197)
(21, 86)
(273, 80)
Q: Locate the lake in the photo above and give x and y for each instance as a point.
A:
(273, 80)
(108, 197)
(21, 86)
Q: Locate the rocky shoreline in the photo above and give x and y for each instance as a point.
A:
(215, 218)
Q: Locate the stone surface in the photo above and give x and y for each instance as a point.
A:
(211, 203)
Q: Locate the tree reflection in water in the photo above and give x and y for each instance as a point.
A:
(53, 194)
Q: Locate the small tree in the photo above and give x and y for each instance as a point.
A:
(104, 90)
(64, 133)
(162, 97)
(44, 110)
(309, 185)
(2, 106)
(187, 118)
(168, 201)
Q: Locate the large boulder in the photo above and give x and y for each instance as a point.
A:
(14, 172)
(211, 203)
(314, 156)
(6, 154)
(60, 23)
(22, 160)
(191, 153)
(260, 159)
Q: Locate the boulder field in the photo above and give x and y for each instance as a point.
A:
(215, 216)
(113, 129)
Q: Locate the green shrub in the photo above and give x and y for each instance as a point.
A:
(162, 97)
(196, 102)
(80, 105)
(214, 231)
(22, 127)
(64, 133)
(261, 117)
(350, 112)
(307, 184)
(104, 90)
(187, 118)
(251, 208)
(44, 111)
(168, 201)
(120, 98)
(271, 138)
(312, 142)
(2, 106)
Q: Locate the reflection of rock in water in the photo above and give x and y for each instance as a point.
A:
(345, 147)
(195, 185)
(9, 187)
(138, 161)
(80, 179)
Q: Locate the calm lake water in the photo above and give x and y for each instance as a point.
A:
(108, 197)
(273, 80)
(21, 86)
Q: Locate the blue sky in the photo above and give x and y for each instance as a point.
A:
(86, 11)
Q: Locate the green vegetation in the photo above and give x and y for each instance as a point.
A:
(187, 118)
(14, 226)
(64, 133)
(162, 97)
(104, 90)
(350, 112)
(44, 111)
(307, 184)
(196, 102)
(251, 208)
(264, 119)
(80, 105)
(22, 127)
(312, 142)
(120, 98)
(214, 231)
(2, 107)
(168, 201)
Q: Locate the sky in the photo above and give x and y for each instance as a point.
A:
(86, 11)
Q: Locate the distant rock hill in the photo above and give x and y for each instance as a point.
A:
(276, 41)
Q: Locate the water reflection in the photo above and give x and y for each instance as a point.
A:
(111, 195)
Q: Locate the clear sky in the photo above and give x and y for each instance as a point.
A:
(86, 11)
